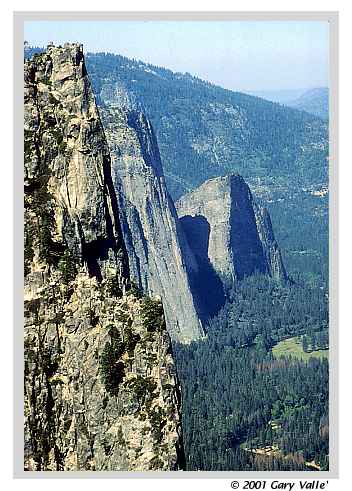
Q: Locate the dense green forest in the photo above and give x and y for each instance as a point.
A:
(260, 306)
(301, 226)
(242, 407)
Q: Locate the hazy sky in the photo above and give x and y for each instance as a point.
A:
(234, 54)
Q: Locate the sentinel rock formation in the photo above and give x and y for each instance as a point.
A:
(229, 232)
(101, 392)
(160, 260)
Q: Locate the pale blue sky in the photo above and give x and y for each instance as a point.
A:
(267, 55)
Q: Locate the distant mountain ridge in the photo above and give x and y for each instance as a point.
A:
(282, 96)
(205, 131)
(314, 101)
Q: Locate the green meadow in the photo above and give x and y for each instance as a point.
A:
(293, 347)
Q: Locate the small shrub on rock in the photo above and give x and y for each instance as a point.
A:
(152, 313)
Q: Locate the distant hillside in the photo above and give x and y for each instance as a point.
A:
(314, 101)
(284, 96)
(205, 131)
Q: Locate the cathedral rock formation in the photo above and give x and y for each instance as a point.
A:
(229, 232)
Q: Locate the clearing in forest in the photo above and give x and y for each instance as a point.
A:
(293, 347)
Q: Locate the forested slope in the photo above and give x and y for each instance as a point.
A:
(204, 130)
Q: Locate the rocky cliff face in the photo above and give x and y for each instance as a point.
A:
(271, 248)
(229, 232)
(101, 391)
(160, 259)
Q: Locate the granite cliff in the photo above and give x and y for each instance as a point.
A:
(160, 259)
(230, 234)
(101, 391)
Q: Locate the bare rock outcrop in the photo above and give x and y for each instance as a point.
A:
(229, 231)
(160, 260)
(101, 391)
(270, 246)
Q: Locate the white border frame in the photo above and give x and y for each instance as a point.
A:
(19, 19)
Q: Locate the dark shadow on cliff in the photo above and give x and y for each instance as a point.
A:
(98, 249)
(246, 246)
(93, 252)
(147, 140)
(206, 286)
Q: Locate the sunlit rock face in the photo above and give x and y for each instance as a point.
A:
(100, 385)
(160, 260)
(229, 232)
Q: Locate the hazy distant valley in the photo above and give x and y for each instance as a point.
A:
(314, 101)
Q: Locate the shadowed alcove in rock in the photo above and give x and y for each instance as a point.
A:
(206, 286)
